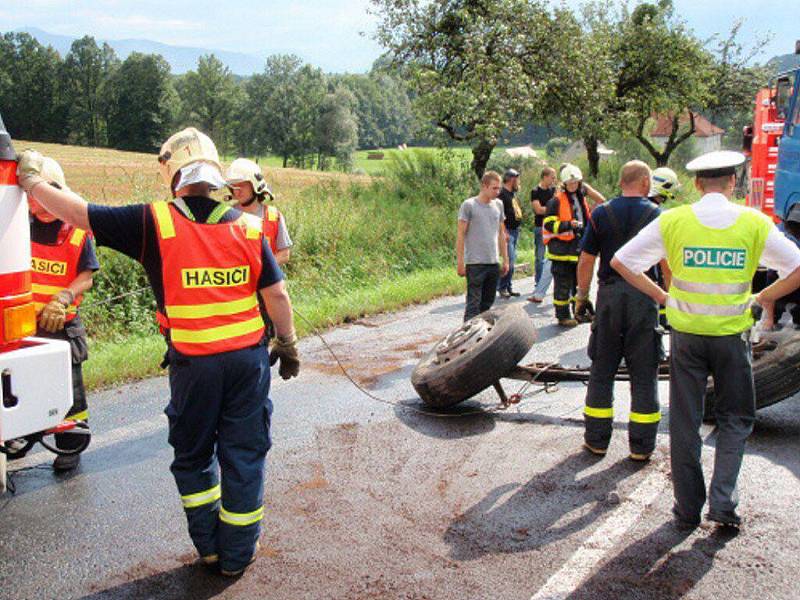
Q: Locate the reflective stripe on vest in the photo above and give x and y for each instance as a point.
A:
(565, 214)
(270, 227)
(712, 270)
(210, 274)
(55, 267)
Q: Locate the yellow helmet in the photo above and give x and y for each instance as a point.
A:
(53, 174)
(186, 147)
(243, 169)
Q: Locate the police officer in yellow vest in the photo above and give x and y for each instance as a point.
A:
(713, 248)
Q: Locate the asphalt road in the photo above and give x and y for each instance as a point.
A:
(371, 499)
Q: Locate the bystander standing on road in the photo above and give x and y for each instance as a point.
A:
(626, 322)
(480, 243)
(513, 220)
(713, 248)
(540, 196)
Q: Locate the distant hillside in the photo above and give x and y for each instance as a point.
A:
(787, 62)
(180, 58)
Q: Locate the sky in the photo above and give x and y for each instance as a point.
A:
(332, 34)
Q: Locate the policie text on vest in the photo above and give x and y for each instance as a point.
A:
(715, 258)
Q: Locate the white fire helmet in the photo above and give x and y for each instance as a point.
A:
(569, 173)
(186, 147)
(243, 169)
(664, 182)
(53, 174)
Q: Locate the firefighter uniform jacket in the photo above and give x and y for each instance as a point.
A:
(55, 266)
(270, 227)
(561, 239)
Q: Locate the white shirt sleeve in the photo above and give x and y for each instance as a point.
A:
(644, 250)
(283, 240)
(780, 254)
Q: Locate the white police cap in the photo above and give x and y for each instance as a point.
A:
(716, 164)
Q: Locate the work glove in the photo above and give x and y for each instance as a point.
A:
(584, 310)
(29, 169)
(54, 313)
(284, 349)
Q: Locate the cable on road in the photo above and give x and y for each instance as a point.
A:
(519, 396)
(515, 399)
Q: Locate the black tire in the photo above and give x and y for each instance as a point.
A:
(474, 356)
(776, 374)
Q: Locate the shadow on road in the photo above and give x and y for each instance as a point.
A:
(449, 309)
(534, 515)
(187, 581)
(649, 568)
(466, 419)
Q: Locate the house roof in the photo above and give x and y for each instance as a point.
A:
(703, 127)
(522, 151)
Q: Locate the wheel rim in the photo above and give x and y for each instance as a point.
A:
(462, 340)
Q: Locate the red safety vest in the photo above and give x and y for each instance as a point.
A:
(565, 213)
(210, 274)
(55, 266)
(271, 221)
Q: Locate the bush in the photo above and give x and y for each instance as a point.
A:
(556, 146)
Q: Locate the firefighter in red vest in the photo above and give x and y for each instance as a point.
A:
(207, 264)
(250, 190)
(567, 216)
(63, 264)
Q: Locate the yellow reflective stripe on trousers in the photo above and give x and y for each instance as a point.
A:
(645, 417)
(560, 302)
(200, 498)
(215, 334)
(561, 257)
(241, 519)
(598, 413)
(214, 309)
(81, 416)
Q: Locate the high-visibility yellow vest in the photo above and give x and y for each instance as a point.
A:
(712, 270)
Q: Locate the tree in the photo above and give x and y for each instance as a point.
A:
(87, 70)
(583, 96)
(337, 130)
(663, 69)
(383, 109)
(30, 92)
(142, 103)
(477, 69)
(282, 108)
(211, 100)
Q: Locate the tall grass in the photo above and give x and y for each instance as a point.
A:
(358, 248)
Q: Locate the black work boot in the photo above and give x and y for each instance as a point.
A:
(66, 463)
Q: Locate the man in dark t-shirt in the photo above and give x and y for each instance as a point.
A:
(626, 322)
(540, 196)
(513, 218)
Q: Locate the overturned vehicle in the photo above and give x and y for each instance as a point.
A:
(489, 347)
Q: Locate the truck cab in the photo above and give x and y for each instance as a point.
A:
(35, 373)
(787, 173)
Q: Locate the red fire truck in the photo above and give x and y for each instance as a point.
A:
(762, 140)
(36, 374)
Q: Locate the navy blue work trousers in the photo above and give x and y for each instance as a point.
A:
(219, 420)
